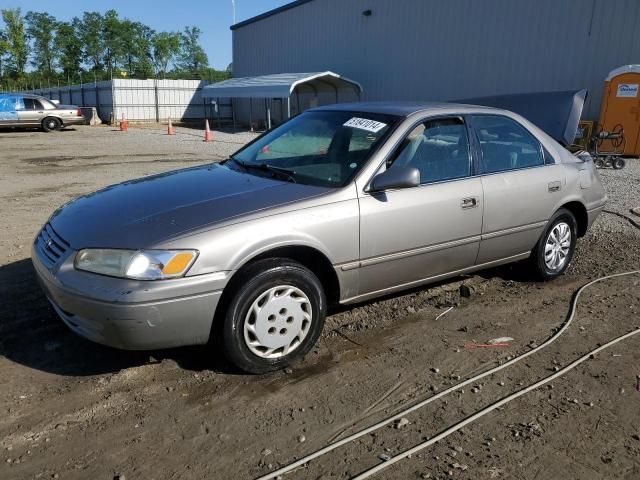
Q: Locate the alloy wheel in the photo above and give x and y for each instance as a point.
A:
(557, 246)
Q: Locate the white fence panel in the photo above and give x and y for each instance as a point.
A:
(139, 100)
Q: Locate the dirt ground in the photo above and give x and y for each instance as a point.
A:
(71, 409)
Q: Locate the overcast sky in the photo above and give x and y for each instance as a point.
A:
(214, 17)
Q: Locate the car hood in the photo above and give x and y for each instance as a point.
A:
(145, 212)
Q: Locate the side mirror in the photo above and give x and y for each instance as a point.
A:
(396, 177)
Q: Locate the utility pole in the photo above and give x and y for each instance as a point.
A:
(233, 6)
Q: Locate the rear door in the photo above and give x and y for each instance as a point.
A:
(522, 186)
(412, 234)
(32, 112)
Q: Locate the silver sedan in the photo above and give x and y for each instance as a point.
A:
(32, 111)
(341, 204)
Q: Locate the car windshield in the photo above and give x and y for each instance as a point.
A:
(322, 148)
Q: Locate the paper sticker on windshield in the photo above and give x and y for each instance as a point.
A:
(365, 124)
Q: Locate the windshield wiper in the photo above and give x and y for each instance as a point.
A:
(272, 168)
(265, 167)
(235, 160)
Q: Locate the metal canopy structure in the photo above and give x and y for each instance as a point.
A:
(282, 86)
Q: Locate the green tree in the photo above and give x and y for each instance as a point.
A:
(192, 56)
(165, 47)
(69, 47)
(16, 41)
(112, 34)
(4, 50)
(136, 48)
(91, 37)
(101, 43)
(41, 29)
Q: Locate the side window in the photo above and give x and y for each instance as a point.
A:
(505, 144)
(29, 103)
(548, 158)
(19, 103)
(439, 149)
(8, 107)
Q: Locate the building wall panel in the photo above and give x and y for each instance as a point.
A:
(446, 50)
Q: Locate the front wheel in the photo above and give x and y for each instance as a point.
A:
(50, 124)
(275, 318)
(554, 250)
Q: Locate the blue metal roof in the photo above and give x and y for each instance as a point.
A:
(279, 85)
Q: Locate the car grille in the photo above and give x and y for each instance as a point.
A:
(50, 246)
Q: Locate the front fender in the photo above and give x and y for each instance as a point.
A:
(332, 229)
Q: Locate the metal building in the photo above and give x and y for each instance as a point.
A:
(446, 49)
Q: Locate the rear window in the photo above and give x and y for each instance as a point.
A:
(505, 144)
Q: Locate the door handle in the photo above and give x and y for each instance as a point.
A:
(469, 202)
(554, 186)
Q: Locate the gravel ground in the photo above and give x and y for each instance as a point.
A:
(75, 410)
(623, 189)
(57, 168)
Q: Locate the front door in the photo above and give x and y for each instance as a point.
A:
(521, 189)
(9, 105)
(413, 234)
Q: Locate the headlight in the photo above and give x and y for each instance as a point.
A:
(136, 264)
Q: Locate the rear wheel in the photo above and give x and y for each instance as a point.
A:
(275, 316)
(598, 162)
(50, 124)
(554, 250)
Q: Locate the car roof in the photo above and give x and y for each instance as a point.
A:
(404, 109)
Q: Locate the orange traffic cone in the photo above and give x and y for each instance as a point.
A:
(170, 130)
(124, 124)
(208, 136)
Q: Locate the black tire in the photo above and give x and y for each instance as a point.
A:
(51, 124)
(618, 163)
(537, 260)
(256, 280)
(598, 162)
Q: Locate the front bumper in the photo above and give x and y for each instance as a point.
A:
(128, 314)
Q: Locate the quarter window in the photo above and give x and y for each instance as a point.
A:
(439, 149)
(505, 144)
